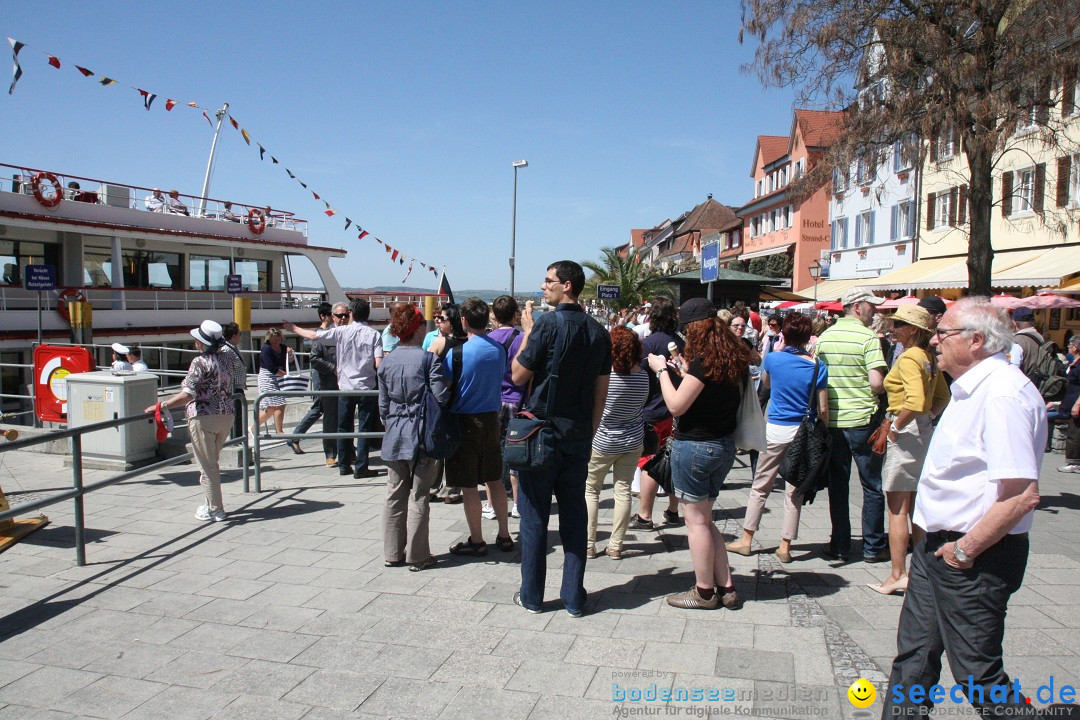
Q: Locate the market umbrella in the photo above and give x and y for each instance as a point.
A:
(792, 305)
(831, 306)
(897, 302)
(1035, 302)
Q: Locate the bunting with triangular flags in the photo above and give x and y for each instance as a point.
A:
(148, 99)
(408, 273)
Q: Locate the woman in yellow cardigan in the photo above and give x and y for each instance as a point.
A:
(917, 394)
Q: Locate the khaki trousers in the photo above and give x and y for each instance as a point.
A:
(208, 435)
(623, 466)
(405, 515)
(768, 469)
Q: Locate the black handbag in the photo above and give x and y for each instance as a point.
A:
(659, 466)
(530, 440)
(806, 459)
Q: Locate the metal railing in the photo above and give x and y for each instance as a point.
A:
(289, 437)
(104, 298)
(80, 489)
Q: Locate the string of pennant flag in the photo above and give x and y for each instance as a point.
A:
(148, 99)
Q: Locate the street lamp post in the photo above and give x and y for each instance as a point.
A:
(518, 164)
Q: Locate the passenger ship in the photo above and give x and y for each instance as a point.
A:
(149, 275)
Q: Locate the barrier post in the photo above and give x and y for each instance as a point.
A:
(77, 481)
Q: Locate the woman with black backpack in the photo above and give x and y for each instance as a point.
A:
(405, 376)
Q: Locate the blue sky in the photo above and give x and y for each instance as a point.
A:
(407, 117)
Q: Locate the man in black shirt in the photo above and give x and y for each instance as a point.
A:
(583, 368)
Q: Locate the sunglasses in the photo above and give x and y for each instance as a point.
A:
(735, 326)
(440, 318)
(899, 324)
(341, 316)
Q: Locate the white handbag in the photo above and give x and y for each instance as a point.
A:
(749, 421)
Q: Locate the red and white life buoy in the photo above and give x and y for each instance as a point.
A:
(68, 295)
(256, 221)
(37, 184)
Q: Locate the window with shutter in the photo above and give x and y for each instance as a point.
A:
(930, 211)
(962, 205)
(952, 208)
(1006, 193)
(1042, 109)
(1039, 190)
(893, 222)
(1064, 173)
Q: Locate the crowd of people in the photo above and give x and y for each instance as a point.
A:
(945, 430)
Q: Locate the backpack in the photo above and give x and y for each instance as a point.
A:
(439, 434)
(1049, 373)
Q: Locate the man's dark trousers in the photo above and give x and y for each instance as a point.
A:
(848, 444)
(361, 410)
(566, 480)
(961, 613)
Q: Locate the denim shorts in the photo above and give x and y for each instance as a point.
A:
(700, 467)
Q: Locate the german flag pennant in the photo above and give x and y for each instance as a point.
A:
(106, 81)
(235, 124)
(84, 71)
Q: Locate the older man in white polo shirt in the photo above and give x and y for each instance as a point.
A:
(977, 493)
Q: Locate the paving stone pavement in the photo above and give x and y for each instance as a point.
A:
(286, 611)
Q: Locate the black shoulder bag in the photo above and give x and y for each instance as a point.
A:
(806, 459)
(530, 441)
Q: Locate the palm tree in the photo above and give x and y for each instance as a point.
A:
(636, 281)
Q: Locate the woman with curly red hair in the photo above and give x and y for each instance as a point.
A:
(705, 402)
(403, 376)
(619, 440)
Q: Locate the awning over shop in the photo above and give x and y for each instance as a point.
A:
(765, 252)
(952, 272)
(1046, 267)
(832, 289)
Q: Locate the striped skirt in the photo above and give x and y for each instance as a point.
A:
(269, 383)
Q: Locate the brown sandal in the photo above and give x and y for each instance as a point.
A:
(468, 547)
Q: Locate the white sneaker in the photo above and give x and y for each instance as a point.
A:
(514, 512)
(1070, 468)
(488, 512)
(218, 515)
(202, 513)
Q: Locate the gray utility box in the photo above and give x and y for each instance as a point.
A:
(97, 396)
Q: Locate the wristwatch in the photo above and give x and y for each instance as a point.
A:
(662, 370)
(958, 551)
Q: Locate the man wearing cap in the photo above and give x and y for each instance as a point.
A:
(1029, 340)
(852, 352)
(119, 357)
(935, 306)
(977, 494)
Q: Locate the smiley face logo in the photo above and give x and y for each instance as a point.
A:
(862, 693)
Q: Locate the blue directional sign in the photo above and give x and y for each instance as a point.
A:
(607, 292)
(710, 262)
(40, 277)
(234, 284)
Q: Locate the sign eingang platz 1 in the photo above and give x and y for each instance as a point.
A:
(710, 262)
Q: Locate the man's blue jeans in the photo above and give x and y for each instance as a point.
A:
(361, 410)
(566, 480)
(849, 443)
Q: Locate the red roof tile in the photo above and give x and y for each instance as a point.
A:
(820, 128)
(772, 148)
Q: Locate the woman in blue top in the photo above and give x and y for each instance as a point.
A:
(788, 374)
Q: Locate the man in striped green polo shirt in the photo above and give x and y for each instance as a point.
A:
(852, 352)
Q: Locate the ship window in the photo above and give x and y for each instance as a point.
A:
(254, 274)
(207, 273)
(15, 255)
(141, 268)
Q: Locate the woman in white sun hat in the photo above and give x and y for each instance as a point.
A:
(209, 410)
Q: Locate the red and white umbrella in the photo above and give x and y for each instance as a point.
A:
(1035, 302)
(793, 305)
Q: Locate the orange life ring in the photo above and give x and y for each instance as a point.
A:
(68, 295)
(256, 221)
(58, 190)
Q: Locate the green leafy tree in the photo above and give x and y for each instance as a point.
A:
(963, 73)
(637, 282)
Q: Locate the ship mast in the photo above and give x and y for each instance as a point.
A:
(220, 115)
